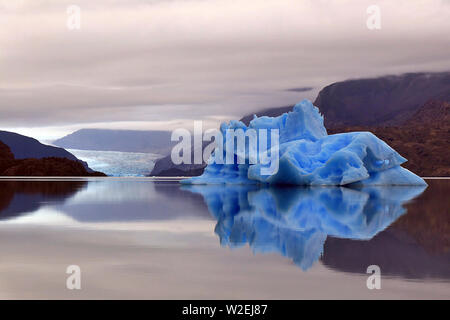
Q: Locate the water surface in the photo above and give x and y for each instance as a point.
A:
(152, 238)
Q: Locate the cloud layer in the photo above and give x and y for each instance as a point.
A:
(161, 63)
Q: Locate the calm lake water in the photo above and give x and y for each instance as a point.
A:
(143, 238)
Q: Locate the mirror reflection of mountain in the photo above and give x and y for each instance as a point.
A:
(22, 197)
(133, 201)
(416, 246)
(96, 201)
(348, 229)
(343, 226)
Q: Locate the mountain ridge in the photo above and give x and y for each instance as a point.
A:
(24, 147)
(150, 141)
(46, 166)
(388, 100)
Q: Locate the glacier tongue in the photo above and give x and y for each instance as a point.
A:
(309, 156)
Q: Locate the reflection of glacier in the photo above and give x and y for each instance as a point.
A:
(296, 221)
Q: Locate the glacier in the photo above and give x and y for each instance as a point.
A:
(295, 221)
(307, 155)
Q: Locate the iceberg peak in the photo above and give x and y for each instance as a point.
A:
(306, 154)
(303, 122)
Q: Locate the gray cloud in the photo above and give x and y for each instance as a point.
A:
(160, 61)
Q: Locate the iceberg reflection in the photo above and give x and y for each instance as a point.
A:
(295, 221)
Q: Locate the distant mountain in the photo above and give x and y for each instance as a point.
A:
(382, 101)
(118, 140)
(388, 100)
(23, 147)
(433, 113)
(269, 112)
(5, 153)
(423, 139)
(46, 166)
(164, 167)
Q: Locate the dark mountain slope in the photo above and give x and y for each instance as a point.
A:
(386, 100)
(25, 147)
(424, 139)
(383, 101)
(47, 166)
(164, 167)
(271, 112)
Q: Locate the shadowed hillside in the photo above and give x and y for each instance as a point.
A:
(382, 101)
(424, 139)
(51, 166)
(23, 147)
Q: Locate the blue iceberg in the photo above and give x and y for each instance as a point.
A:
(296, 221)
(306, 155)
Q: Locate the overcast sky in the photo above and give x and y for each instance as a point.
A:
(160, 64)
